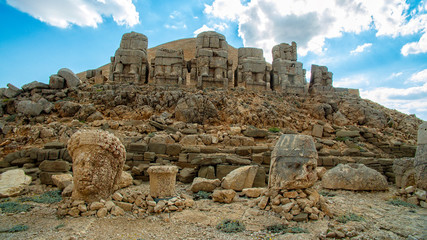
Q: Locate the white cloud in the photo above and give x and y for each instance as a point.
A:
(84, 13)
(357, 81)
(361, 48)
(419, 77)
(415, 47)
(395, 75)
(265, 23)
(216, 27)
(409, 100)
(204, 28)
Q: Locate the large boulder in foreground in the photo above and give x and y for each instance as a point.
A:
(204, 184)
(354, 176)
(12, 182)
(71, 79)
(240, 178)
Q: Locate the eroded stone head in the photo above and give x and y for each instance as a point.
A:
(293, 162)
(98, 159)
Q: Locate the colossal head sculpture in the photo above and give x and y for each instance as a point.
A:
(212, 66)
(130, 63)
(98, 159)
(293, 162)
(169, 67)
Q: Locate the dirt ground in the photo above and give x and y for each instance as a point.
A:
(381, 220)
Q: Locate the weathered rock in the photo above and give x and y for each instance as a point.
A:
(29, 108)
(11, 91)
(34, 84)
(117, 211)
(54, 166)
(237, 161)
(69, 109)
(195, 109)
(420, 162)
(345, 133)
(255, 132)
(253, 192)
(354, 176)
(98, 159)
(223, 196)
(62, 180)
(12, 182)
(203, 184)
(403, 169)
(187, 175)
(240, 178)
(162, 181)
(71, 80)
(293, 162)
(56, 81)
(126, 180)
(46, 105)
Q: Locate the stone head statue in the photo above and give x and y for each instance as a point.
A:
(293, 162)
(98, 159)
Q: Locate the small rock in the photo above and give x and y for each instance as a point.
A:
(117, 211)
(224, 196)
(102, 212)
(253, 192)
(96, 206)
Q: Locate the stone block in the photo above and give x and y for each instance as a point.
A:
(317, 131)
(149, 156)
(243, 151)
(207, 172)
(158, 148)
(173, 149)
(223, 170)
(53, 154)
(260, 177)
(54, 166)
(138, 147)
(46, 177)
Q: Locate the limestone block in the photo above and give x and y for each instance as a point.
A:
(354, 176)
(62, 180)
(29, 108)
(55, 166)
(12, 182)
(187, 175)
(420, 162)
(204, 184)
(253, 192)
(223, 196)
(162, 181)
(422, 134)
(71, 80)
(317, 131)
(223, 170)
(33, 85)
(126, 180)
(98, 159)
(207, 172)
(240, 178)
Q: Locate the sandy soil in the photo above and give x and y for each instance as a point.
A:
(381, 221)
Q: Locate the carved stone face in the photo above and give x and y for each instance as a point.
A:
(293, 163)
(93, 173)
(98, 159)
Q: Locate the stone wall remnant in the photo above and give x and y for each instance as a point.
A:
(252, 70)
(320, 80)
(168, 67)
(98, 159)
(162, 181)
(293, 163)
(288, 74)
(420, 162)
(212, 67)
(130, 63)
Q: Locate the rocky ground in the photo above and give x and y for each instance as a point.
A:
(376, 219)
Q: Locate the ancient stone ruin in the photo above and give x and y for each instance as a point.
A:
(420, 162)
(288, 74)
(98, 159)
(169, 67)
(321, 79)
(212, 69)
(252, 70)
(162, 181)
(130, 63)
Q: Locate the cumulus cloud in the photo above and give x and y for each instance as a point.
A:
(84, 13)
(357, 81)
(419, 77)
(265, 23)
(415, 47)
(409, 100)
(215, 27)
(395, 75)
(361, 48)
(204, 28)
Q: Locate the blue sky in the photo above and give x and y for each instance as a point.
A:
(377, 46)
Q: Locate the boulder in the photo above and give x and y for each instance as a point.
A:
(29, 108)
(240, 178)
(62, 180)
(203, 184)
(56, 81)
(346, 133)
(12, 182)
(187, 175)
(34, 84)
(255, 132)
(420, 162)
(71, 80)
(69, 109)
(195, 108)
(126, 180)
(354, 176)
(253, 192)
(293, 162)
(11, 91)
(223, 196)
(46, 105)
